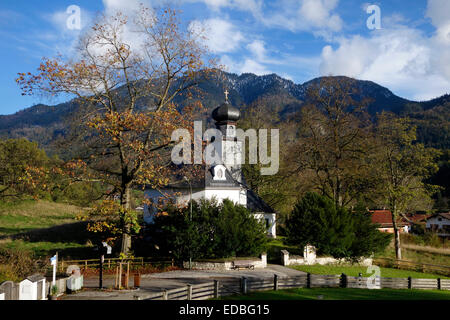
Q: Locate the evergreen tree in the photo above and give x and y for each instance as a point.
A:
(333, 230)
(211, 230)
(368, 239)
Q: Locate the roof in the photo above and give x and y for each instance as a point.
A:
(445, 215)
(35, 277)
(226, 112)
(384, 218)
(256, 204)
(417, 217)
(200, 179)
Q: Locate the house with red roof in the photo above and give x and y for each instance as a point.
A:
(384, 219)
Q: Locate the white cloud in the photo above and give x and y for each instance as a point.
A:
(402, 59)
(253, 66)
(127, 7)
(247, 65)
(253, 6)
(316, 16)
(222, 35)
(439, 12)
(257, 48)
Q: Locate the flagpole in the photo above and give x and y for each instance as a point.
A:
(54, 263)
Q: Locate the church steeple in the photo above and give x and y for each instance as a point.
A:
(226, 117)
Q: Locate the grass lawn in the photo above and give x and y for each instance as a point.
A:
(355, 270)
(23, 216)
(416, 256)
(344, 294)
(43, 227)
(274, 247)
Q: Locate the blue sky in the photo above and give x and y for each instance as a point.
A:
(298, 40)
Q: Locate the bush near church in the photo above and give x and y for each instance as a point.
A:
(334, 230)
(214, 231)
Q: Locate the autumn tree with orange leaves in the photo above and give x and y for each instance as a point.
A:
(124, 77)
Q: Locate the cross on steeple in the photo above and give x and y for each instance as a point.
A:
(226, 95)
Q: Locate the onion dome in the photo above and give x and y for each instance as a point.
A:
(226, 112)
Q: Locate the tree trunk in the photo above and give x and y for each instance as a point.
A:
(125, 199)
(398, 249)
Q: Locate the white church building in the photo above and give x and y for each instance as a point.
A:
(220, 181)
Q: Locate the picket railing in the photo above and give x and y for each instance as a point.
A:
(216, 288)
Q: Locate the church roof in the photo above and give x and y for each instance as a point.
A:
(256, 204)
(226, 112)
(203, 178)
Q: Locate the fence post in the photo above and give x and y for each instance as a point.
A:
(360, 280)
(120, 275)
(275, 282)
(308, 280)
(439, 283)
(216, 289)
(164, 295)
(189, 291)
(244, 285)
(85, 265)
(343, 280)
(409, 283)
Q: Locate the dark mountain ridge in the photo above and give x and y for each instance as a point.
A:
(42, 123)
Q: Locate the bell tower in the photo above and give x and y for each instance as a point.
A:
(226, 117)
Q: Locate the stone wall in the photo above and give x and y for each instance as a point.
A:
(288, 260)
(226, 265)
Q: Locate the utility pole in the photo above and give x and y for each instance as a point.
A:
(190, 219)
(104, 248)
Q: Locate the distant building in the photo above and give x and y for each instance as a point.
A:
(440, 224)
(384, 219)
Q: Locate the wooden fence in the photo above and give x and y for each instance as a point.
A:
(112, 263)
(413, 266)
(216, 288)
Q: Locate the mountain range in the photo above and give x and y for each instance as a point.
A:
(42, 123)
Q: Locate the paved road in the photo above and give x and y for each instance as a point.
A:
(157, 282)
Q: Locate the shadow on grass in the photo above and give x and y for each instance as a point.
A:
(69, 232)
(68, 239)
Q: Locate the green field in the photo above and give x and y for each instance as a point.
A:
(43, 227)
(276, 245)
(355, 270)
(416, 256)
(344, 294)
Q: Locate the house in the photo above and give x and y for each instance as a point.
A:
(440, 224)
(384, 219)
(219, 181)
(416, 219)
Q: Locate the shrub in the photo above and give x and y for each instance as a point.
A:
(212, 231)
(333, 230)
(16, 265)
